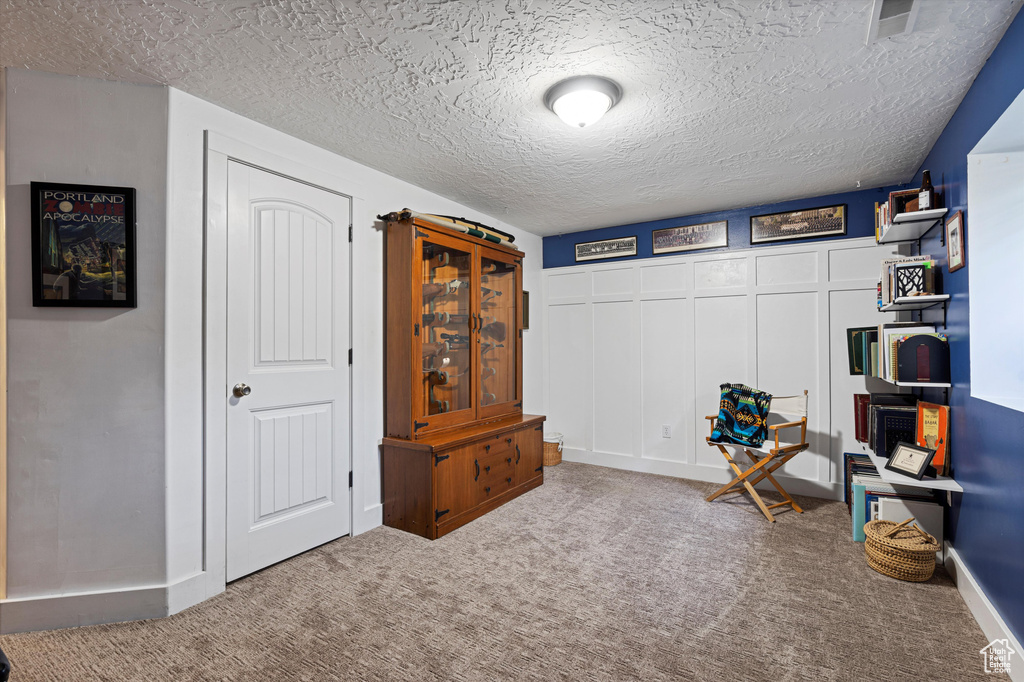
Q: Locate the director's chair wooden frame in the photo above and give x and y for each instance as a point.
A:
(766, 459)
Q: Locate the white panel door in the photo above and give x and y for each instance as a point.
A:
(287, 342)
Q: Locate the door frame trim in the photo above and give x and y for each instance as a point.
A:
(218, 151)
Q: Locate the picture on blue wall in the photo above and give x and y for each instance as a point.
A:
(83, 246)
(606, 248)
(812, 222)
(691, 237)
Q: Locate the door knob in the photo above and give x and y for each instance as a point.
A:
(241, 390)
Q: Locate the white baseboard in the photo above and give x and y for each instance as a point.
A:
(991, 623)
(370, 518)
(698, 472)
(29, 614)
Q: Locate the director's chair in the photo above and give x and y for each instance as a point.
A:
(769, 457)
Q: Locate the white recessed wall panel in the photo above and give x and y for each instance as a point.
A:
(615, 371)
(845, 265)
(570, 373)
(663, 375)
(663, 278)
(724, 272)
(787, 268)
(612, 282)
(788, 336)
(568, 285)
(722, 342)
(854, 308)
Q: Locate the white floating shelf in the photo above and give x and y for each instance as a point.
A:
(908, 227)
(915, 302)
(937, 483)
(923, 384)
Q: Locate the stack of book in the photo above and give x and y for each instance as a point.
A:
(905, 276)
(876, 352)
(868, 498)
(881, 420)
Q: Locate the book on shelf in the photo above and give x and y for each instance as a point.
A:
(856, 349)
(922, 358)
(866, 488)
(861, 403)
(887, 276)
(890, 425)
(933, 433)
(854, 463)
(885, 345)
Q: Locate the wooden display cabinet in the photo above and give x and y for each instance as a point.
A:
(457, 443)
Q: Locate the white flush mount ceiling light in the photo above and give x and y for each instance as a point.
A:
(582, 100)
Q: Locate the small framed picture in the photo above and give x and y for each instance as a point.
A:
(955, 241)
(606, 248)
(910, 460)
(691, 237)
(904, 201)
(812, 222)
(83, 246)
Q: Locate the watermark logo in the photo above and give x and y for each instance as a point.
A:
(997, 656)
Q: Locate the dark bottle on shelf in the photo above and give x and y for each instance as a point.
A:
(926, 199)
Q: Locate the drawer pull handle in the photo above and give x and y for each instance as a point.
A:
(508, 480)
(487, 448)
(487, 469)
(487, 489)
(509, 441)
(508, 459)
(476, 463)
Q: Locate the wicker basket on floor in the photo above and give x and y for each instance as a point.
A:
(552, 449)
(899, 550)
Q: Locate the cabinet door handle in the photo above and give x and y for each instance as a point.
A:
(518, 454)
(476, 462)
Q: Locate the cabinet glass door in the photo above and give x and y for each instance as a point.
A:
(444, 331)
(498, 335)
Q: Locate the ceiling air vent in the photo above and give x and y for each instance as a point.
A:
(892, 18)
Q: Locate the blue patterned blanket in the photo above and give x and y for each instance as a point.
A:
(742, 415)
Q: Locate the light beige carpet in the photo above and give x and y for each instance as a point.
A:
(598, 575)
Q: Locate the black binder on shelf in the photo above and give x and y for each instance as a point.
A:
(892, 424)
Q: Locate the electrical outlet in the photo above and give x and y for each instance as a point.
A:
(666, 431)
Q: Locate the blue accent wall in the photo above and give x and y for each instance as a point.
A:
(986, 522)
(560, 250)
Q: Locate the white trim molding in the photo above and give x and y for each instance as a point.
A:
(991, 623)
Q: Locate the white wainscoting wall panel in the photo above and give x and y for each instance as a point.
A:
(631, 348)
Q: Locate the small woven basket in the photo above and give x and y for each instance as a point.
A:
(899, 550)
(552, 449)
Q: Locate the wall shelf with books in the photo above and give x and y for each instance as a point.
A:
(911, 226)
(937, 483)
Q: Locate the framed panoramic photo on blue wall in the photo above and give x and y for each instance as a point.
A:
(83, 246)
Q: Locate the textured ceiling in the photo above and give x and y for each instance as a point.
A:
(726, 104)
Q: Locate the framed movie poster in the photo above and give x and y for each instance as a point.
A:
(606, 248)
(811, 222)
(83, 246)
(691, 237)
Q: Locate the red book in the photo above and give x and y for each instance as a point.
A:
(861, 402)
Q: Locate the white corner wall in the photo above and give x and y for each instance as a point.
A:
(637, 345)
(106, 458)
(86, 386)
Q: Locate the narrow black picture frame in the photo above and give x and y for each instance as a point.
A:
(925, 461)
(795, 225)
(59, 281)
